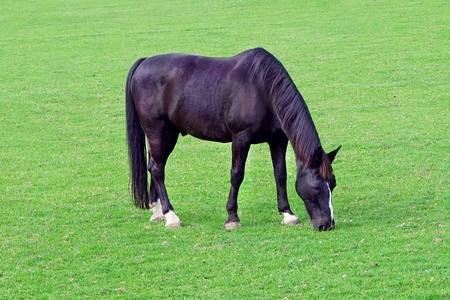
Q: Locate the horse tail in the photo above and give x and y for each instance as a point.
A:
(136, 147)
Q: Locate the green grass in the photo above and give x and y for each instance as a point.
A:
(375, 77)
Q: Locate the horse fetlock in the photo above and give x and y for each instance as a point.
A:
(156, 219)
(158, 215)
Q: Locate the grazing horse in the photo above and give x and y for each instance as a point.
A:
(245, 99)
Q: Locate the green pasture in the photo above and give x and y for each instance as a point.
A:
(375, 77)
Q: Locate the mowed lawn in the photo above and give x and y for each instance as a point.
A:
(375, 77)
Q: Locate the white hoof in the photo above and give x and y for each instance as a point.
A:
(157, 213)
(290, 219)
(232, 225)
(172, 221)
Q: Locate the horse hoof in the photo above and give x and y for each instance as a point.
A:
(290, 223)
(232, 225)
(172, 220)
(156, 219)
(173, 225)
(290, 220)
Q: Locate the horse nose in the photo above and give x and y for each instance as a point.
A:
(323, 224)
(326, 227)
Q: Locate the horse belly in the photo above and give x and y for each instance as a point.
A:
(200, 120)
(205, 129)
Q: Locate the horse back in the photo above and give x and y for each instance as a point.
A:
(209, 98)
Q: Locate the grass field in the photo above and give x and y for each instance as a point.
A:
(375, 77)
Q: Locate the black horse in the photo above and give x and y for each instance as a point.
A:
(245, 99)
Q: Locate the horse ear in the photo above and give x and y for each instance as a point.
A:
(333, 153)
(316, 159)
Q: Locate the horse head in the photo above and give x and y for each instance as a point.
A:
(315, 183)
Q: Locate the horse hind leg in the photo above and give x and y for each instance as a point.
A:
(162, 210)
(160, 149)
(157, 215)
(155, 202)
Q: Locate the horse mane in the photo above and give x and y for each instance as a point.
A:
(289, 106)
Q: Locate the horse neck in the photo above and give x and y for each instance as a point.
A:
(296, 120)
(288, 103)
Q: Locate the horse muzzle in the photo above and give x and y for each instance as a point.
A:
(323, 223)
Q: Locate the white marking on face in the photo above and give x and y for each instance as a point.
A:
(330, 202)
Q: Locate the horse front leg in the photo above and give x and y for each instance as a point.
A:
(278, 154)
(240, 147)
